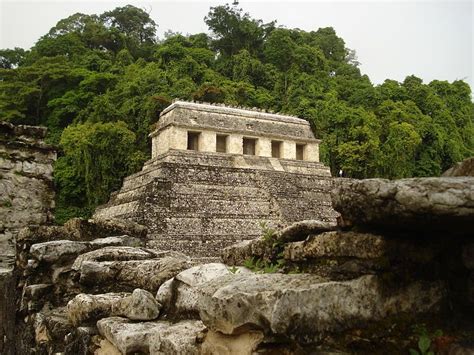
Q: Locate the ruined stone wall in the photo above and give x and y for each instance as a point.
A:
(26, 198)
(199, 203)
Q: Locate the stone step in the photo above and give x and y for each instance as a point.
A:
(141, 178)
(182, 226)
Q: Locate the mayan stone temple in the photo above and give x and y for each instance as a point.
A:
(217, 174)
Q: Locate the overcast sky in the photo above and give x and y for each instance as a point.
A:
(393, 39)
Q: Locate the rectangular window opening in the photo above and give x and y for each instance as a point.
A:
(300, 148)
(276, 149)
(193, 140)
(221, 143)
(249, 146)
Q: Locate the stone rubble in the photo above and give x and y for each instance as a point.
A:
(95, 287)
(139, 305)
(423, 205)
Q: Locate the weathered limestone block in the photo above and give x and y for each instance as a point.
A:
(184, 337)
(50, 328)
(56, 250)
(120, 253)
(301, 230)
(223, 344)
(130, 337)
(154, 338)
(80, 229)
(130, 274)
(338, 244)
(342, 255)
(83, 307)
(237, 253)
(463, 168)
(179, 295)
(39, 234)
(427, 205)
(303, 306)
(139, 305)
(53, 251)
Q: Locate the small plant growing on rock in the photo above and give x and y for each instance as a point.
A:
(233, 269)
(424, 340)
(264, 267)
(267, 232)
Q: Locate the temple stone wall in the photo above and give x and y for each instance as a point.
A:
(27, 197)
(208, 121)
(200, 192)
(201, 202)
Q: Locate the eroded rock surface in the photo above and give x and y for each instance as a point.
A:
(130, 337)
(113, 253)
(139, 305)
(85, 307)
(300, 230)
(154, 338)
(130, 274)
(184, 337)
(426, 205)
(304, 306)
(53, 251)
(179, 295)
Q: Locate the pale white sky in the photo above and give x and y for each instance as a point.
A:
(393, 39)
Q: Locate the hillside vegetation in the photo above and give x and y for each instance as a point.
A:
(99, 82)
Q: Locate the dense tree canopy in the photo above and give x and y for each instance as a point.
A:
(98, 82)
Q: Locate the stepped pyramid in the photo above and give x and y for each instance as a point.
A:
(217, 174)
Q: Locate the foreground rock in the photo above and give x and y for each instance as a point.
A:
(78, 229)
(427, 205)
(238, 253)
(343, 255)
(130, 274)
(179, 295)
(140, 305)
(300, 230)
(115, 253)
(304, 306)
(154, 338)
(56, 250)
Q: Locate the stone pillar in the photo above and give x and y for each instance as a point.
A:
(264, 147)
(235, 144)
(178, 138)
(160, 142)
(288, 150)
(207, 141)
(312, 152)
